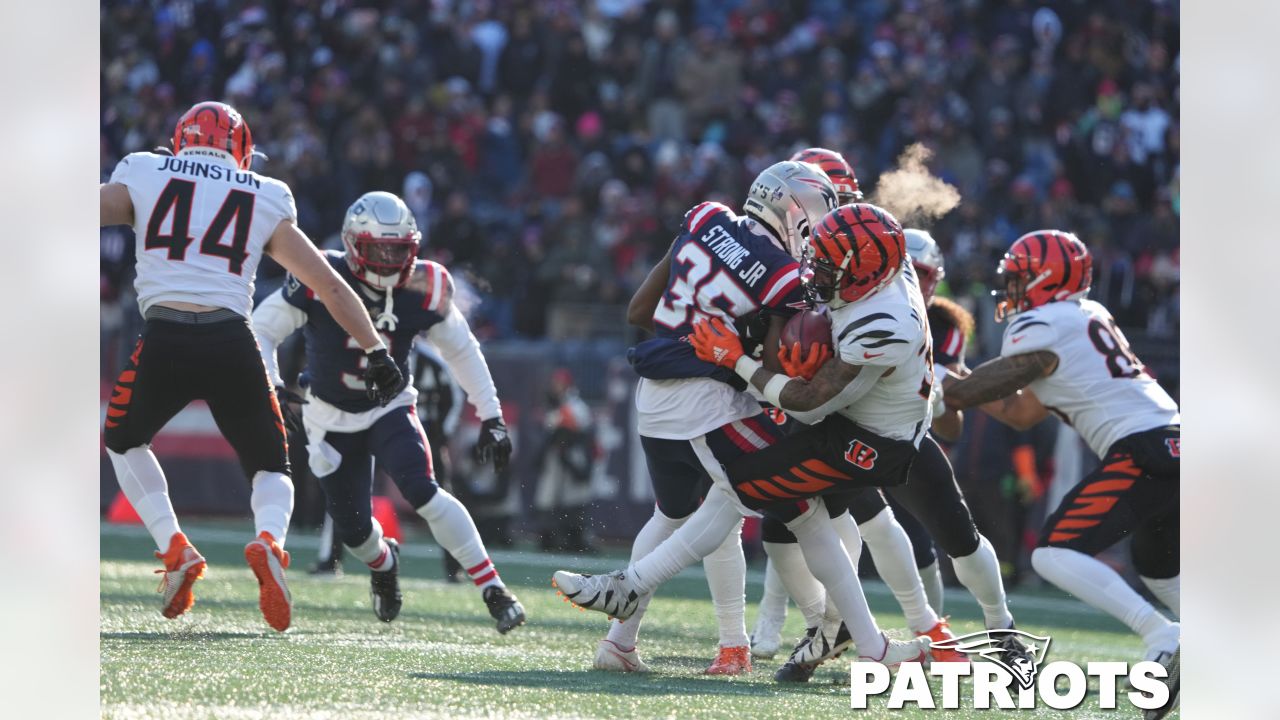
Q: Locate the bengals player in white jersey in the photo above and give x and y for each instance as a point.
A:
(203, 220)
(1069, 353)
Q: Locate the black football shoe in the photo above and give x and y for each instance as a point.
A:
(384, 586)
(504, 608)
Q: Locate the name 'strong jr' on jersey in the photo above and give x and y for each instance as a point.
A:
(202, 227)
(722, 265)
(335, 362)
(1099, 387)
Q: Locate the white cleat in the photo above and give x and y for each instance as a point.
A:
(766, 641)
(610, 594)
(897, 652)
(828, 643)
(612, 657)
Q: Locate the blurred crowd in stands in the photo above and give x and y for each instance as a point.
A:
(549, 147)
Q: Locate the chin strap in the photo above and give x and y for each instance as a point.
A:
(387, 318)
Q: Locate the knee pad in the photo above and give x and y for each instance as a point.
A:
(420, 491)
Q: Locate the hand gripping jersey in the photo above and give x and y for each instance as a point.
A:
(722, 265)
(890, 331)
(201, 228)
(1099, 387)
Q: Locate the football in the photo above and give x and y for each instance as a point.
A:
(806, 328)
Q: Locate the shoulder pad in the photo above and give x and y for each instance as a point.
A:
(434, 282)
(698, 215)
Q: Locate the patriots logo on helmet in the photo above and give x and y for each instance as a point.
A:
(1014, 650)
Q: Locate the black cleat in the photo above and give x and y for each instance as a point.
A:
(384, 587)
(503, 607)
(793, 670)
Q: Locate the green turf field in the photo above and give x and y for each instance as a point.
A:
(442, 657)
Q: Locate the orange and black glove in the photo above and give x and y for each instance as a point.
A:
(716, 343)
(797, 364)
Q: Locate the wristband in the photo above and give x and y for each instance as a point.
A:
(746, 367)
(773, 389)
(375, 348)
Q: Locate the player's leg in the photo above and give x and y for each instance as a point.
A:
(933, 497)
(894, 556)
(400, 444)
(1156, 557)
(244, 407)
(147, 395)
(726, 570)
(771, 613)
(926, 559)
(677, 488)
(1106, 505)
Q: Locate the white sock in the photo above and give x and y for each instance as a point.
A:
(272, 503)
(896, 563)
(451, 525)
(979, 571)
(726, 570)
(700, 535)
(773, 603)
(1093, 582)
(1167, 590)
(828, 562)
(787, 560)
(850, 536)
(374, 551)
(659, 528)
(931, 577)
(142, 482)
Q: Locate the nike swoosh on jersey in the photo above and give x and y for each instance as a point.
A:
(868, 356)
(1014, 341)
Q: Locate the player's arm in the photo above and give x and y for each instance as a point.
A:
(115, 205)
(948, 423)
(460, 351)
(999, 378)
(275, 319)
(292, 249)
(1020, 411)
(649, 294)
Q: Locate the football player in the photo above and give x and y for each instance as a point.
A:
(739, 267)
(1069, 352)
(346, 432)
(198, 344)
(883, 378)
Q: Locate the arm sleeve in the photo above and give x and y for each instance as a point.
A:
(461, 352)
(273, 321)
(1028, 332)
(860, 386)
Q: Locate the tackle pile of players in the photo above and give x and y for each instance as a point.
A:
(818, 440)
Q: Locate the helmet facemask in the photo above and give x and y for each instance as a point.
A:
(383, 262)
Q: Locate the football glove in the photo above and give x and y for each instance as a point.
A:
(494, 444)
(291, 409)
(382, 378)
(716, 343)
(796, 364)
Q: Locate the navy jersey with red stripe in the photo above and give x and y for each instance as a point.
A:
(948, 339)
(722, 265)
(335, 361)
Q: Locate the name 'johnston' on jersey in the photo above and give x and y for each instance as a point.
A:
(722, 265)
(201, 228)
(1099, 387)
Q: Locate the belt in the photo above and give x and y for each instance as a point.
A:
(160, 312)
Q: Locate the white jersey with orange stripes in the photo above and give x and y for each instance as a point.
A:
(201, 227)
(1099, 386)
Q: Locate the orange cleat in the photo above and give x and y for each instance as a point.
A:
(731, 661)
(182, 567)
(268, 562)
(940, 633)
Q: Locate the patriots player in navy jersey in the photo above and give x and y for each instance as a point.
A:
(346, 432)
(741, 268)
